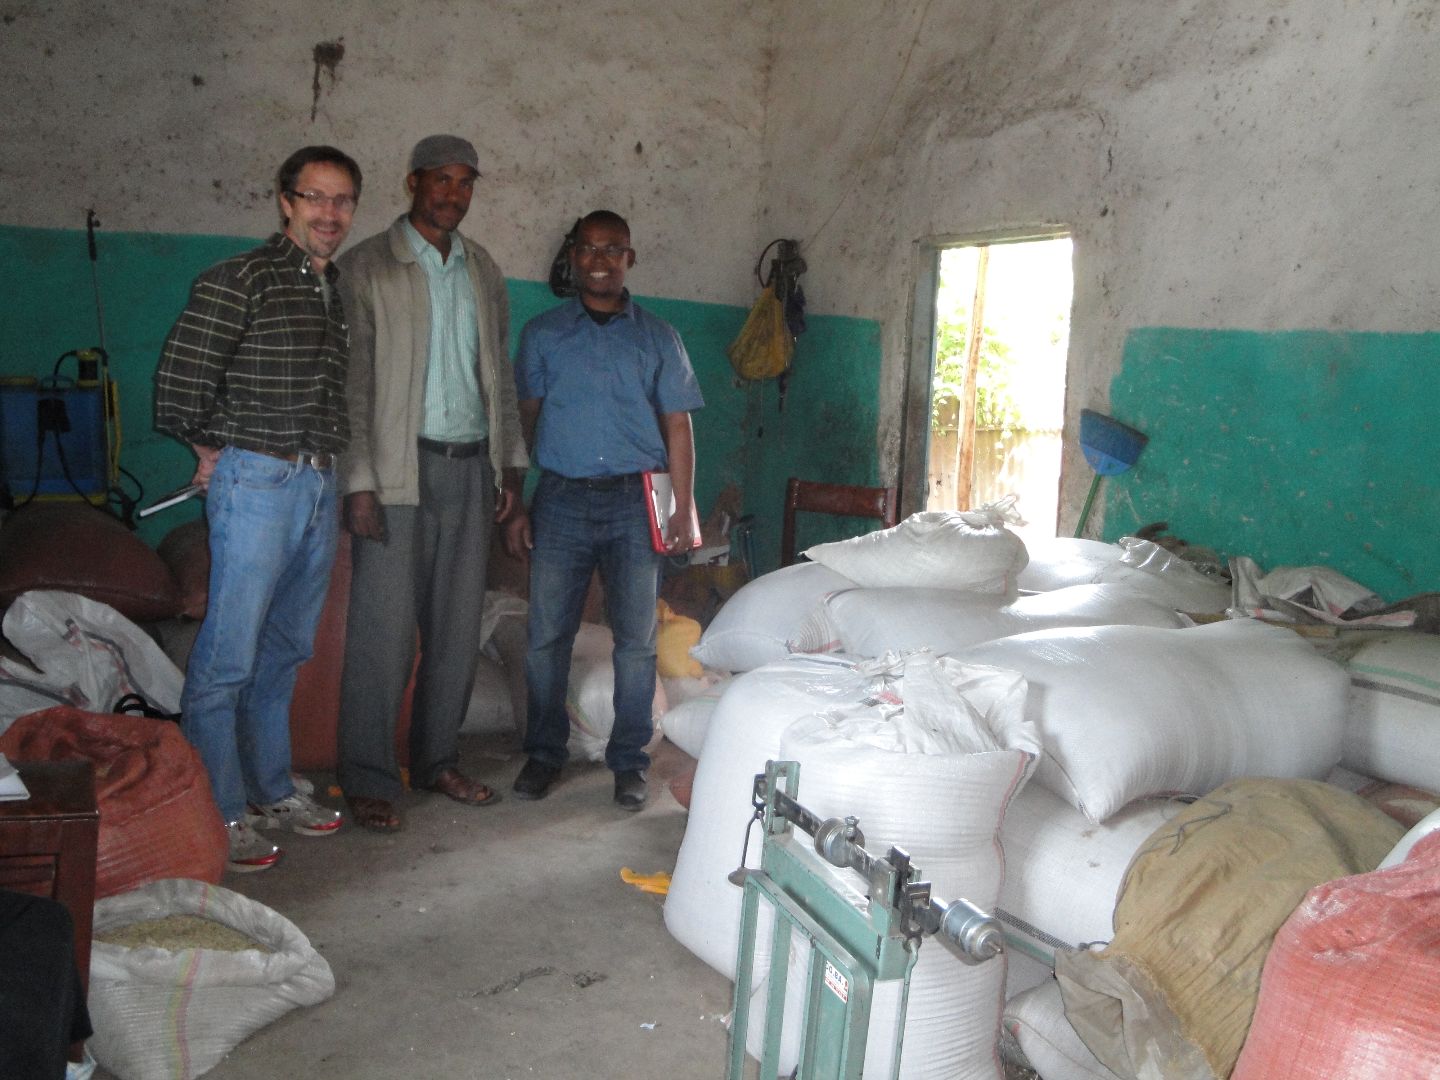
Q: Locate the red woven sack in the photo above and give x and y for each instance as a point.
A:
(1351, 986)
(157, 817)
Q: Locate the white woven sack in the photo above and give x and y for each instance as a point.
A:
(1036, 1020)
(685, 724)
(1392, 730)
(88, 655)
(1150, 570)
(869, 622)
(590, 694)
(943, 807)
(162, 1014)
(1022, 972)
(937, 549)
(1127, 712)
(1063, 872)
(1066, 560)
(702, 908)
(754, 626)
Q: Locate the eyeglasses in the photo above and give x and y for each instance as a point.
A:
(610, 251)
(319, 198)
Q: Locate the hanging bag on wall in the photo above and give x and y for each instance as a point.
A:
(764, 347)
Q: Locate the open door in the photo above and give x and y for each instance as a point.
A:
(986, 401)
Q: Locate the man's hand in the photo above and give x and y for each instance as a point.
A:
(365, 516)
(518, 538)
(206, 457)
(505, 503)
(679, 534)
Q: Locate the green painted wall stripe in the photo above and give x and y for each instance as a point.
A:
(827, 430)
(1295, 448)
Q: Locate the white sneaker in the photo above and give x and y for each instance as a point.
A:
(298, 813)
(249, 851)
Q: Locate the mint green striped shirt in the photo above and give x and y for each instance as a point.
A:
(454, 410)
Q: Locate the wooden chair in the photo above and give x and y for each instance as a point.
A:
(843, 500)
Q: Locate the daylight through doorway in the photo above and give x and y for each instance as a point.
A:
(997, 388)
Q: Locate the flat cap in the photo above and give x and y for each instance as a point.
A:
(437, 151)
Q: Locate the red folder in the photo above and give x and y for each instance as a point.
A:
(660, 496)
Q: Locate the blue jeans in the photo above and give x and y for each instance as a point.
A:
(273, 528)
(579, 526)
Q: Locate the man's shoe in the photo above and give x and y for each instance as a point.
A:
(249, 851)
(630, 789)
(535, 780)
(298, 813)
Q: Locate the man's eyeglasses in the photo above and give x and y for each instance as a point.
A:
(319, 198)
(610, 251)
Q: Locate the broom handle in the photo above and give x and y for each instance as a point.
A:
(1085, 513)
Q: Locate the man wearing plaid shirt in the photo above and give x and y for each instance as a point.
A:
(252, 378)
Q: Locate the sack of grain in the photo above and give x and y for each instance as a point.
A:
(1127, 712)
(870, 622)
(938, 549)
(755, 626)
(172, 1013)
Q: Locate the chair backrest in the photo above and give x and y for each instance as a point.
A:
(843, 500)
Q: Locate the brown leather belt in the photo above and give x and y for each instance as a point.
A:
(452, 449)
(303, 457)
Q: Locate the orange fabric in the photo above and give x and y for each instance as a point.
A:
(157, 817)
(1351, 986)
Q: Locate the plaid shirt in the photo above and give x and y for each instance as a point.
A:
(257, 359)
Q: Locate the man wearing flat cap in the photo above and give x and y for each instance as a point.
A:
(435, 459)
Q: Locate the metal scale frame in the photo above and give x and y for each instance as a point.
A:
(859, 933)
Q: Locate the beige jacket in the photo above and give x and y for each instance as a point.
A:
(387, 301)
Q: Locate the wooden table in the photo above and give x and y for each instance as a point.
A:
(47, 843)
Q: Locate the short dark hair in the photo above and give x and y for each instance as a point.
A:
(604, 217)
(311, 155)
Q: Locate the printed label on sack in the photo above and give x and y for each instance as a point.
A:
(839, 985)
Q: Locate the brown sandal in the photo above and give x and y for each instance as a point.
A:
(377, 815)
(456, 785)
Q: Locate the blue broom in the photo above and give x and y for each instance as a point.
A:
(1110, 447)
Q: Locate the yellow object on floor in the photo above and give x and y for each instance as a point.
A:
(657, 883)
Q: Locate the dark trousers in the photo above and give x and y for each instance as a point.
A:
(42, 1010)
(428, 575)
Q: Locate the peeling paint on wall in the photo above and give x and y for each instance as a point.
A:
(328, 55)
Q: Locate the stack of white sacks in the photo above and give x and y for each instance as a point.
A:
(1121, 704)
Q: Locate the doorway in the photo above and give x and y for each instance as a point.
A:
(986, 406)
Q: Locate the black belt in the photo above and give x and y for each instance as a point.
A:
(453, 449)
(599, 483)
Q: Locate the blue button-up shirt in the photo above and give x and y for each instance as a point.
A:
(453, 410)
(604, 388)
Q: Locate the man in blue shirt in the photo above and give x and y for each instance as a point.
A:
(606, 391)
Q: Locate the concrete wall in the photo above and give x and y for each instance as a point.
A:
(172, 117)
(1222, 164)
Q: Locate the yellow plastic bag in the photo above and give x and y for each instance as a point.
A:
(764, 346)
(674, 635)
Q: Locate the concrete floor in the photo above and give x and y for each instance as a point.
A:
(496, 943)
